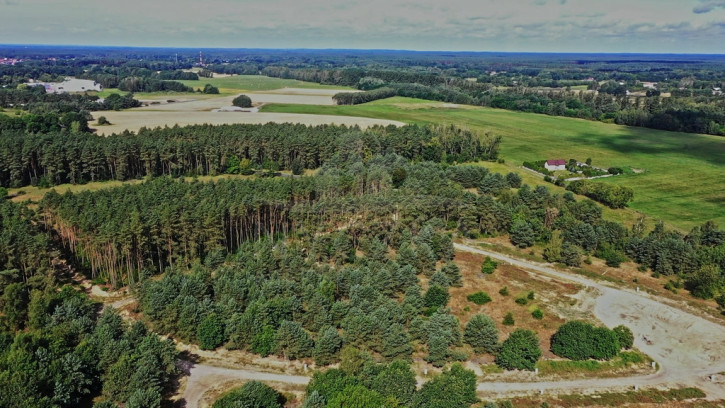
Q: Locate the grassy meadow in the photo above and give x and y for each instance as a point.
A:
(231, 85)
(678, 177)
(253, 83)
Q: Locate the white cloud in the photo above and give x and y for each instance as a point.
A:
(502, 25)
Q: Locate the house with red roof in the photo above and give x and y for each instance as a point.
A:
(556, 164)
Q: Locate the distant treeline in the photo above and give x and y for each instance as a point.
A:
(67, 157)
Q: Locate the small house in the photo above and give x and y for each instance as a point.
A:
(555, 165)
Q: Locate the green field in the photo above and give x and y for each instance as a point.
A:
(234, 84)
(231, 86)
(683, 178)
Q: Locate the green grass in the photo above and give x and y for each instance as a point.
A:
(570, 368)
(235, 84)
(671, 397)
(682, 182)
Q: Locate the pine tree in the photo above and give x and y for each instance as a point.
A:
(327, 347)
(481, 334)
(396, 343)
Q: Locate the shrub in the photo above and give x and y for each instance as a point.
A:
(611, 256)
(508, 320)
(530, 296)
(210, 332)
(242, 101)
(488, 266)
(210, 89)
(436, 296)
(520, 351)
(252, 394)
(615, 170)
(577, 340)
(102, 121)
(504, 291)
(537, 314)
(625, 336)
(479, 298)
(522, 301)
(513, 180)
(612, 195)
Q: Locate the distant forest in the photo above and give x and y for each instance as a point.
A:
(552, 84)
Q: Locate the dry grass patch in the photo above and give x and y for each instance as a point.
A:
(547, 293)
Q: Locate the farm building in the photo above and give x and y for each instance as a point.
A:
(554, 165)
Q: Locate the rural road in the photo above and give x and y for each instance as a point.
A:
(687, 348)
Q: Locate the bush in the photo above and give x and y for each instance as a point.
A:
(577, 340)
(252, 394)
(210, 332)
(612, 195)
(209, 89)
(520, 351)
(479, 298)
(625, 336)
(297, 167)
(504, 291)
(436, 296)
(615, 170)
(242, 101)
(537, 314)
(513, 180)
(530, 296)
(508, 320)
(488, 266)
(102, 121)
(522, 301)
(611, 256)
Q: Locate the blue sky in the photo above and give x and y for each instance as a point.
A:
(653, 26)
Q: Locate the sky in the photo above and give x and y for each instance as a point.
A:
(641, 26)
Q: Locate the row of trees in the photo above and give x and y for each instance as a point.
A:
(206, 150)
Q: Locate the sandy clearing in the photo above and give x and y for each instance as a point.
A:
(688, 348)
(134, 120)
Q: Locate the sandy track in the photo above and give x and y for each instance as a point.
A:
(688, 348)
(136, 119)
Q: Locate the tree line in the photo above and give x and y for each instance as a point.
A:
(49, 157)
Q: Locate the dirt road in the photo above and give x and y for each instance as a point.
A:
(687, 348)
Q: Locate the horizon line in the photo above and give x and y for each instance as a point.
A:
(354, 49)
